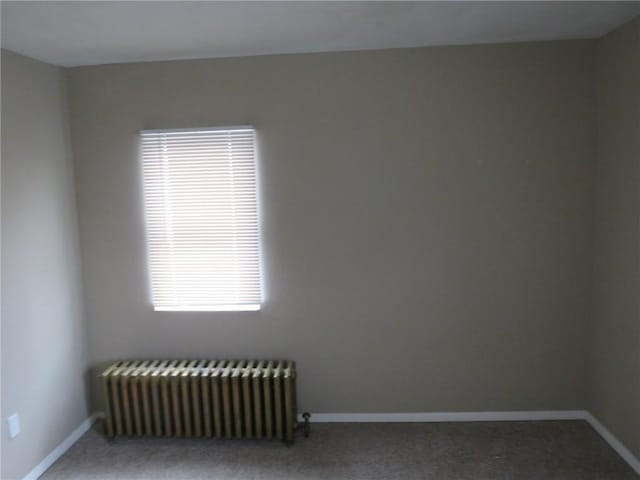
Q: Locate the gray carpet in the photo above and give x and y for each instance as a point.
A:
(492, 450)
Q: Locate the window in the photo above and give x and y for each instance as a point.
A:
(202, 218)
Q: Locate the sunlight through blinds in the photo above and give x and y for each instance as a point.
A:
(202, 218)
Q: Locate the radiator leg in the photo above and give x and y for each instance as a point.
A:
(109, 435)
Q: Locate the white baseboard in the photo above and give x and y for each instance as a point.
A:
(449, 416)
(621, 450)
(61, 449)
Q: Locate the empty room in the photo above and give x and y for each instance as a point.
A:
(320, 240)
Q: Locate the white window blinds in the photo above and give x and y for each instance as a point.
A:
(202, 219)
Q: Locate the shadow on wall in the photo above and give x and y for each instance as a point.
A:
(95, 399)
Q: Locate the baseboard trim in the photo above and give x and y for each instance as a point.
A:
(614, 443)
(450, 416)
(57, 452)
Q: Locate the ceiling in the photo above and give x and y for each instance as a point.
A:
(89, 33)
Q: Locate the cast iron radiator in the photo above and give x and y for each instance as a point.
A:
(210, 398)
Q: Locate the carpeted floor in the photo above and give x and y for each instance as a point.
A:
(367, 451)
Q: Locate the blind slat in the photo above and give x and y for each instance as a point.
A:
(202, 219)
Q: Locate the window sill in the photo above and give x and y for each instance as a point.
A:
(215, 308)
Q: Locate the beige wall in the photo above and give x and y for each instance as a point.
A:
(615, 396)
(426, 220)
(44, 356)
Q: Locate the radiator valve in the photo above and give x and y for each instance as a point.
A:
(307, 426)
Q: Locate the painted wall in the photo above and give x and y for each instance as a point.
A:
(427, 220)
(44, 357)
(615, 395)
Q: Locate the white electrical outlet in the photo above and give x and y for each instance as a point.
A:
(14, 425)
